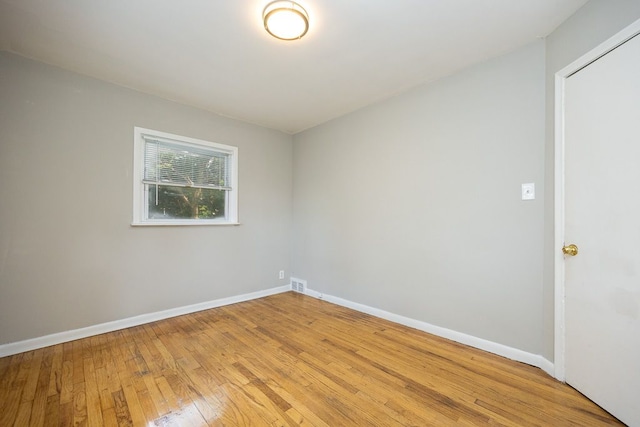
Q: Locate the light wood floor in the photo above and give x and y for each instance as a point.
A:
(283, 360)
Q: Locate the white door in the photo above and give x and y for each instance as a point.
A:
(602, 217)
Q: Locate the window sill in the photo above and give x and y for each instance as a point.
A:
(180, 223)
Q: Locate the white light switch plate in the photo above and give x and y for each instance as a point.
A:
(528, 191)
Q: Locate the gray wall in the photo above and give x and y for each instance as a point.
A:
(413, 205)
(594, 23)
(68, 255)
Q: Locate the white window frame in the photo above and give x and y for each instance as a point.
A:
(140, 214)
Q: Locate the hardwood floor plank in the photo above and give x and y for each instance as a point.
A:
(10, 392)
(156, 396)
(191, 405)
(109, 417)
(39, 403)
(79, 403)
(66, 376)
(121, 409)
(12, 365)
(9, 406)
(94, 406)
(136, 412)
(31, 383)
(24, 414)
(102, 383)
(55, 376)
(52, 411)
(283, 360)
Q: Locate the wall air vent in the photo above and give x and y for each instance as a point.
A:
(298, 285)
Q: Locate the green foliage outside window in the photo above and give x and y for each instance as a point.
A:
(186, 202)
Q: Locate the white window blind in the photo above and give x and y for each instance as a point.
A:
(175, 164)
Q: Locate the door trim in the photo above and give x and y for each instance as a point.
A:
(559, 199)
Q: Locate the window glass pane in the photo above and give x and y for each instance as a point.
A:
(185, 202)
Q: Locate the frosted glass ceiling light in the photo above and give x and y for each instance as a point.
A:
(285, 20)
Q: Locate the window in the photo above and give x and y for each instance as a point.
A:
(183, 181)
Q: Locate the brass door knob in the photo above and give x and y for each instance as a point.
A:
(571, 250)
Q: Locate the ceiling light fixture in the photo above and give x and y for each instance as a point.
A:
(285, 20)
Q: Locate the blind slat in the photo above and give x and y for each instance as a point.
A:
(171, 184)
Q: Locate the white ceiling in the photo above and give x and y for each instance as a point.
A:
(216, 55)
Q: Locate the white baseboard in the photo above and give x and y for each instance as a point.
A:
(482, 344)
(549, 367)
(53, 339)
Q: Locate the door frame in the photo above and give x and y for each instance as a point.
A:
(559, 184)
